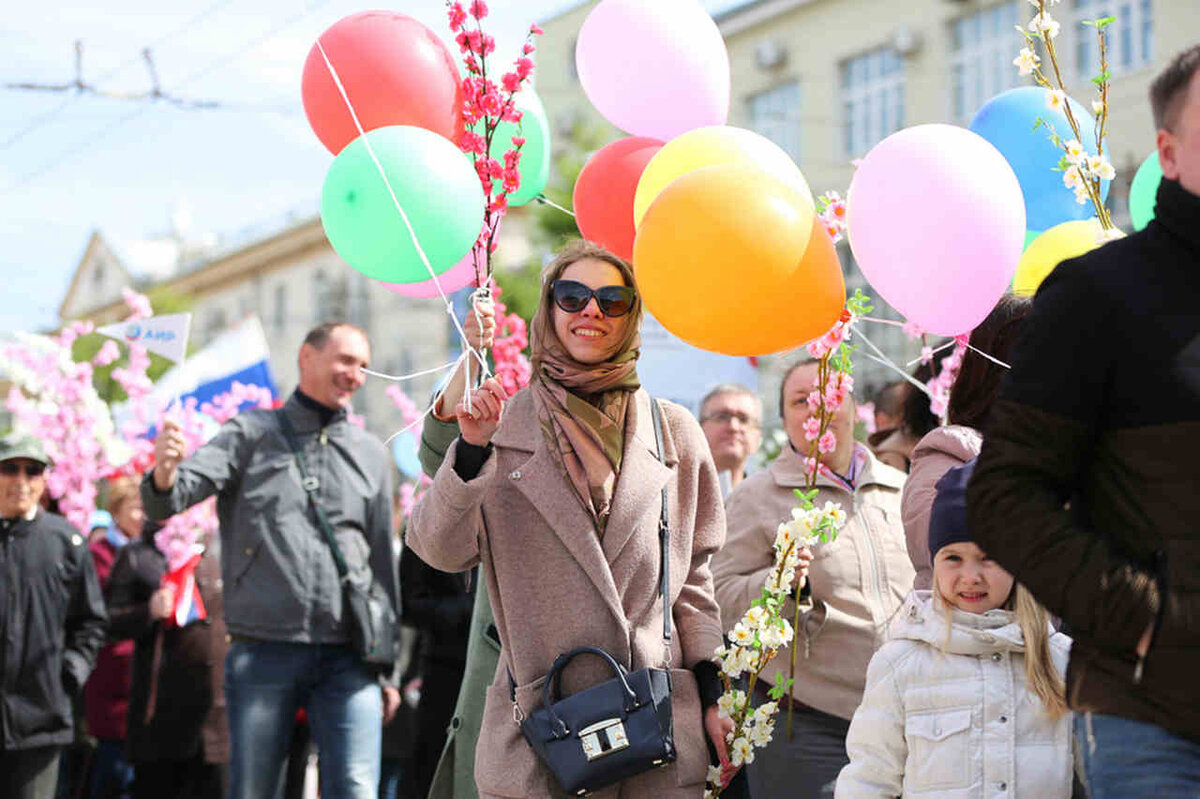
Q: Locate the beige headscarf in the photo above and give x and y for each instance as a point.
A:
(583, 407)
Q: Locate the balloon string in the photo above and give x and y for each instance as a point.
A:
(437, 397)
(884, 360)
(401, 378)
(942, 348)
(947, 345)
(404, 216)
(544, 200)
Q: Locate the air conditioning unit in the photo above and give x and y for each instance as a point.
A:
(769, 54)
(906, 41)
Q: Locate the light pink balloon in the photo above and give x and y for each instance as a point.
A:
(936, 221)
(456, 277)
(654, 68)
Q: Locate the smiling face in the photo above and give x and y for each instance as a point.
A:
(20, 491)
(332, 372)
(969, 580)
(732, 424)
(588, 335)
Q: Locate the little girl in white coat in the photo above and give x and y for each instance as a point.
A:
(966, 699)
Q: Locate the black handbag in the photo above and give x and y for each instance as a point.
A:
(374, 631)
(619, 728)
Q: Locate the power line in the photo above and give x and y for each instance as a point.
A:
(47, 116)
(90, 142)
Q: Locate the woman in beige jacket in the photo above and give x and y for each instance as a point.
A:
(559, 501)
(855, 584)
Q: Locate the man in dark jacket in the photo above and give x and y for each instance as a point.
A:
(52, 624)
(284, 608)
(1088, 486)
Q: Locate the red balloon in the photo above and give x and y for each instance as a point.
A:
(605, 189)
(395, 71)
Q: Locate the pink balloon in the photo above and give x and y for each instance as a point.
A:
(654, 69)
(458, 276)
(936, 220)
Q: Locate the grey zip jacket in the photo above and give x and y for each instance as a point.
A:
(280, 581)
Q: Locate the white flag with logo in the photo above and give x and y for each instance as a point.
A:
(165, 335)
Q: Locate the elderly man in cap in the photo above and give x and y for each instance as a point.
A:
(52, 623)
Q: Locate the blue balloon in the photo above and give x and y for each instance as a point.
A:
(1007, 122)
(404, 452)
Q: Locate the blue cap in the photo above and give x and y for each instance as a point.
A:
(948, 518)
(99, 518)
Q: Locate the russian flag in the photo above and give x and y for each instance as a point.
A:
(189, 607)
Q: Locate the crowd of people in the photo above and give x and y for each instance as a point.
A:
(1010, 607)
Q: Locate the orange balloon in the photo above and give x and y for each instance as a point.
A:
(733, 261)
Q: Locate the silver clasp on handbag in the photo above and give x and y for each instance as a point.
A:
(604, 738)
(310, 483)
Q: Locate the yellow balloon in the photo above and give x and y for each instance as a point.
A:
(714, 146)
(1058, 244)
(730, 260)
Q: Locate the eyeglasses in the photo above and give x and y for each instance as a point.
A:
(725, 417)
(573, 296)
(31, 470)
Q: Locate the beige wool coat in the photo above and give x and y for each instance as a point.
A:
(555, 585)
(858, 581)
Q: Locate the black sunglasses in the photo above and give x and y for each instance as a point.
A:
(32, 470)
(573, 296)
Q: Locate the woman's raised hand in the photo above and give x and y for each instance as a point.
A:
(479, 424)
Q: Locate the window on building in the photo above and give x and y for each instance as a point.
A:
(329, 297)
(1130, 37)
(982, 48)
(775, 114)
(279, 318)
(872, 99)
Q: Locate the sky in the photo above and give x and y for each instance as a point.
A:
(73, 163)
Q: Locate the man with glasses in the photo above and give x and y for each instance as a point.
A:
(52, 623)
(731, 418)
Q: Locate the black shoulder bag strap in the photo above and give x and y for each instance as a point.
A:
(310, 484)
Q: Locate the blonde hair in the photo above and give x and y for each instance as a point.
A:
(120, 491)
(1041, 675)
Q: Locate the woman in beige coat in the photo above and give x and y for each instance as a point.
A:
(855, 584)
(559, 501)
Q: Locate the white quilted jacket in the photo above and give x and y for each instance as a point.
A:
(958, 723)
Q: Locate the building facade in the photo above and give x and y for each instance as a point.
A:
(828, 79)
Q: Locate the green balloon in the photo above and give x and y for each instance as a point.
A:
(437, 189)
(1030, 235)
(1143, 190)
(535, 153)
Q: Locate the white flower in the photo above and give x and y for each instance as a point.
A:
(1099, 166)
(714, 775)
(1044, 23)
(1075, 151)
(783, 536)
(760, 736)
(1056, 100)
(741, 752)
(1081, 195)
(1027, 61)
(729, 703)
(1072, 178)
(1097, 107)
(741, 635)
(756, 617)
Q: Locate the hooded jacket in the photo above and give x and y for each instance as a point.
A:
(947, 713)
(938, 452)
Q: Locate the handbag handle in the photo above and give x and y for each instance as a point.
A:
(550, 691)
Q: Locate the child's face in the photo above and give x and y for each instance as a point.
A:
(969, 580)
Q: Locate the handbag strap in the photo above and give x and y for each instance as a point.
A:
(664, 536)
(310, 484)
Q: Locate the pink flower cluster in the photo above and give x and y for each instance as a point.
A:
(486, 105)
(829, 343)
(226, 406)
(939, 387)
(831, 210)
(512, 337)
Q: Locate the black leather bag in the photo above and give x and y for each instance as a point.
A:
(374, 632)
(617, 729)
(607, 733)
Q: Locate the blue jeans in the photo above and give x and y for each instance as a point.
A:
(266, 682)
(1124, 758)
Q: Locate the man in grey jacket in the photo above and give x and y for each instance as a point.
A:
(283, 599)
